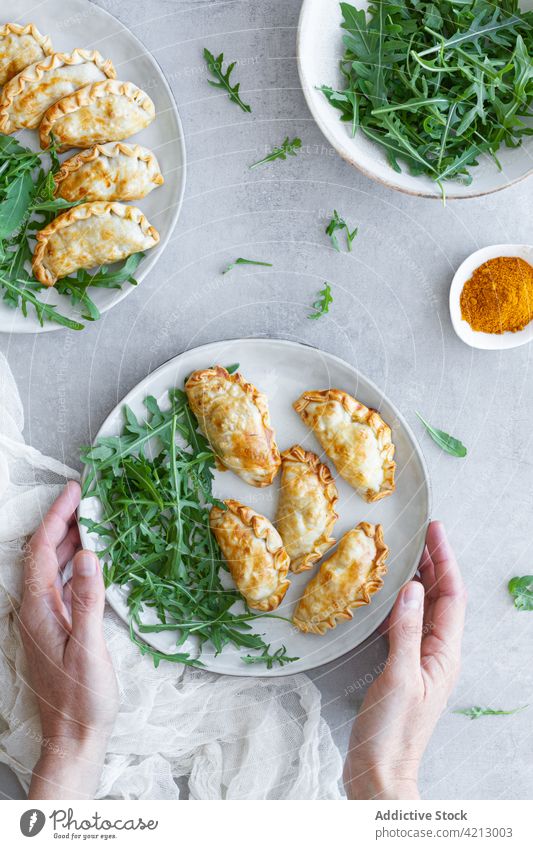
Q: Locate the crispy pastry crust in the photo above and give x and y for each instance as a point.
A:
(197, 378)
(80, 213)
(44, 41)
(362, 415)
(34, 73)
(87, 95)
(261, 529)
(299, 455)
(362, 593)
(85, 157)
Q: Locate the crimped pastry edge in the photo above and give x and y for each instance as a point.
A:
(44, 41)
(262, 529)
(80, 213)
(365, 592)
(364, 415)
(297, 454)
(34, 73)
(260, 401)
(88, 94)
(84, 157)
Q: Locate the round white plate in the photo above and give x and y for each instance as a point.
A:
(283, 370)
(474, 338)
(80, 23)
(319, 49)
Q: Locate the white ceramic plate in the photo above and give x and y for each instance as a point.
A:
(80, 23)
(283, 370)
(488, 341)
(319, 49)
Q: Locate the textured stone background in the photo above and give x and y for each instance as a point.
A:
(389, 318)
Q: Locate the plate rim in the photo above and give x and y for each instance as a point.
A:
(151, 260)
(344, 153)
(284, 671)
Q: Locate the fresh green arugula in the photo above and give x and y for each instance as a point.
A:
(242, 261)
(280, 656)
(27, 204)
(337, 223)
(521, 590)
(288, 148)
(322, 304)
(476, 712)
(222, 79)
(437, 85)
(448, 443)
(154, 485)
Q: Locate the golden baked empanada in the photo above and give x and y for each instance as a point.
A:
(233, 415)
(115, 171)
(20, 46)
(345, 580)
(27, 96)
(306, 508)
(354, 437)
(106, 111)
(89, 235)
(254, 552)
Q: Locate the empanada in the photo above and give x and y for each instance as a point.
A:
(254, 552)
(115, 171)
(89, 235)
(27, 96)
(20, 46)
(354, 437)
(345, 580)
(233, 415)
(106, 111)
(306, 508)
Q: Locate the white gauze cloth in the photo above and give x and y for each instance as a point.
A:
(233, 738)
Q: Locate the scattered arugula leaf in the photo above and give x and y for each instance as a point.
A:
(321, 305)
(288, 148)
(476, 712)
(448, 443)
(280, 656)
(522, 591)
(232, 368)
(223, 79)
(338, 223)
(242, 261)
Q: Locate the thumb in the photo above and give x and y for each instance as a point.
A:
(405, 629)
(88, 597)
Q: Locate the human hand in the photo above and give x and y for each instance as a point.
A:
(69, 667)
(402, 707)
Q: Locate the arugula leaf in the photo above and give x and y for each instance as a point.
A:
(476, 712)
(338, 223)
(522, 591)
(321, 305)
(223, 79)
(14, 206)
(280, 656)
(288, 148)
(241, 261)
(448, 443)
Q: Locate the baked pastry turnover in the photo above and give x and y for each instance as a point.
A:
(89, 235)
(21, 46)
(355, 437)
(233, 415)
(306, 509)
(115, 171)
(27, 96)
(106, 111)
(346, 580)
(254, 552)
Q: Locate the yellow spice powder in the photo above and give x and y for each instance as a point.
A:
(499, 295)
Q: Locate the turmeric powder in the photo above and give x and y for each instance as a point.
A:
(499, 296)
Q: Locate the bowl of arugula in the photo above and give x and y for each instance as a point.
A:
(432, 99)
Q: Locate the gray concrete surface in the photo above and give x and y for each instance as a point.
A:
(389, 318)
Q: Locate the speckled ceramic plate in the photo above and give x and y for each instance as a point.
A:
(283, 370)
(79, 23)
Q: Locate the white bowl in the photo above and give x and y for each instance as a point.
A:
(474, 338)
(319, 49)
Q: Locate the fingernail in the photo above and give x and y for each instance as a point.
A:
(85, 564)
(412, 595)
